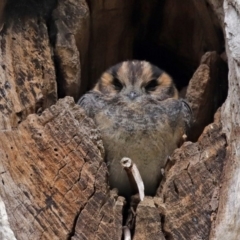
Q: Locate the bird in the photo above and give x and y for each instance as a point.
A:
(136, 108)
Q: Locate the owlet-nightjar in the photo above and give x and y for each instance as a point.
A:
(136, 108)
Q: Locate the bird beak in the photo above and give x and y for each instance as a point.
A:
(132, 95)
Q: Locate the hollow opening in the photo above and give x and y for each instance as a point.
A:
(175, 36)
(167, 33)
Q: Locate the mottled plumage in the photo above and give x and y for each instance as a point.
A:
(135, 105)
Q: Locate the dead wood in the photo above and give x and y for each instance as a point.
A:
(70, 32)
(53, 177)
(148, 221)
(27, 72)
(206, 91)
(191, 190)
(53, 174)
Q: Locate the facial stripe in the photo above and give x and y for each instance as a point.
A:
(123, 73)
(146, 71)
(165, 80)
(136, 69)
(105, 80)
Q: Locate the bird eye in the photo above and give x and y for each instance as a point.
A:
(151, 86)
(117, 84)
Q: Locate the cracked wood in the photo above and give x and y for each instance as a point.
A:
(52, 170)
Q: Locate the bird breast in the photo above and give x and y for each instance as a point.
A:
(146, 133)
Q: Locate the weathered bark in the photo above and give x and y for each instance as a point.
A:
(52, 172)
(101, 218)
(227, 221)
(53, 178)
(148, 221)
(49, 163)
(71, 23)
(27, 72)
(206, 91)
(189, 191)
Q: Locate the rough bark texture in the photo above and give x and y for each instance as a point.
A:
(227, 222)
(71, 21)
(27, 72)
(48, 171)
(189, 191)
(53, 178)
(148, 221)
(51, 171)
(206, 91)
(101, 218)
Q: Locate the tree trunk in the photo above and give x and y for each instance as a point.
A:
(227, 220)
(53, 175)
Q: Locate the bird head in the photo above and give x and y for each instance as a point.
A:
(131, 80)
